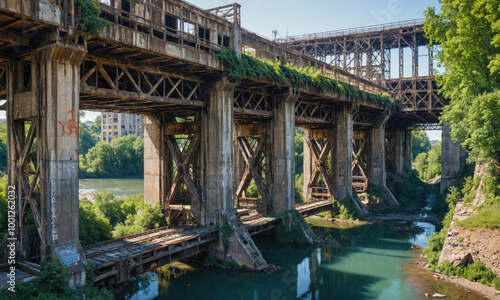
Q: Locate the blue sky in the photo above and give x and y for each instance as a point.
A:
(294, 17)
(300, 17)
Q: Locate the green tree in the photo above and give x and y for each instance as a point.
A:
(101, 161)
(106, 206)
(469, 34)
(148, 217)
(419, 142)
(299, 150)
(87, 140)
(96, 127)
(93, 228)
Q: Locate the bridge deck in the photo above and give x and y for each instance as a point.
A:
(133, 255)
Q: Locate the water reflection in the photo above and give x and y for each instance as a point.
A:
(357, 263)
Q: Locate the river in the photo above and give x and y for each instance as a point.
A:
(357, 262)
(116, 186)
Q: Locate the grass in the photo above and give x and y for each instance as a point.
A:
(488, 217)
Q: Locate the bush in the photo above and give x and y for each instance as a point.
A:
(496, 283)
(476, 272)
(52, 283)
(346, 209)
(290, 231)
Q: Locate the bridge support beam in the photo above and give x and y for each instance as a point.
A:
(283, 153)
(51, 103)
(283, 160)
(156, 159)
(450, 161)
(342, 152)
(217, 204)
(377, 167)
(376, 163)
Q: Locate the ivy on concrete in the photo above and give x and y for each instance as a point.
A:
(249, 66)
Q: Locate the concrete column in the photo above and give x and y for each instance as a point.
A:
(399, 151)
(217, 147)
(376, 163)
(283, 153)
(156, 171)
(56, 89)
(308, 164)
(450, 158)
(342, 152)
(407, 150)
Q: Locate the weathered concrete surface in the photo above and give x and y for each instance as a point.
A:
(399, 151)
(342, 152)
(450, 158)
(58, 95)
(155, 158)
(217, 148)
(283, 153)
(376, 165)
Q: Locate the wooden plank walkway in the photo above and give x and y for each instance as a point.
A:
(121, 259)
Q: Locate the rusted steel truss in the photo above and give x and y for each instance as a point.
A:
(27, 178)
(320, 145)
(254, 152)
(359, 162)
(417, 94)
(252, 104)
(366, 52)
(183, 200)
(309, 112)
(112, 86)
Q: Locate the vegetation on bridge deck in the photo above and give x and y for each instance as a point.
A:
(249, 66)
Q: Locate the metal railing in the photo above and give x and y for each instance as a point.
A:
(157, 29)
(358, 30)
(229, 12)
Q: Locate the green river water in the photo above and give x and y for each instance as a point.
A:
(362, 262)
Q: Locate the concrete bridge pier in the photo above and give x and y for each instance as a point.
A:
(377, 173)
(217, 176)
(450, 158)
(44, 91)
(157, 161)
(283, 159)
(342, 152)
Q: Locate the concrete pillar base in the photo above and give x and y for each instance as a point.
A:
(236, 244)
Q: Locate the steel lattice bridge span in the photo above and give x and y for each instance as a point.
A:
(207, 138)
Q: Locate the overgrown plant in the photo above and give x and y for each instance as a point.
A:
(90, 21)
(289, 231)
(249, 66)
(345, 209)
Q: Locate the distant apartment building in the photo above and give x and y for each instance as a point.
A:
(115, 125)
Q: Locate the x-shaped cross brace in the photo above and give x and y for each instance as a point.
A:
(251, 171)
(183, 168)
(356, 157)
(320, 155)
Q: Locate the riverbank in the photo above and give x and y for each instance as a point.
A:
(452, 287)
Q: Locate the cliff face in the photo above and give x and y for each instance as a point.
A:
(463, 246)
